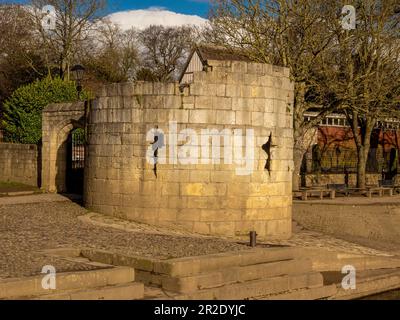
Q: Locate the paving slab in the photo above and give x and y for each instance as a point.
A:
(36, 198)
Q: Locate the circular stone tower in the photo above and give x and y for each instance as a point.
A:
(213, 157)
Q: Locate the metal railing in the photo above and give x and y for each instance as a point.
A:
(345, 161)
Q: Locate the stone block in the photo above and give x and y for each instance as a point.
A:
(167, 214)
(179, 115)
(188, 102)
(203, 102)
(257, 119)
(170, 189)
(200, 176)
(226, 117)
(255, 68)
(127, 89)
(309, 280)
(221, 90)
(239, 66)
(148, 88)
(238, 189)
(202, 189)
(177, 202)
(251, 79)
(279, 202)
(242, 104)
(233, 90)
(279, 71)
(226, 229)
(222, 103)
(164, 88)
(219, 215)
(172, 102)
(221, 176)
(188, 215)
(271, 93)
(202, 116)
(270, 120)
(278, 227)
(198, 89)
(201, 227)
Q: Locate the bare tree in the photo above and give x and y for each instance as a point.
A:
(290, 33)
(164, 50)
(363, 67)
(20, 62)
(112, 55)
(74, 19)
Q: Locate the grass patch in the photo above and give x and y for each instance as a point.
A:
(9, 186)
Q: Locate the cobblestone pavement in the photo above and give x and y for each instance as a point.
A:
(132, 226)
(27, 228)
(301, 238)
(315, 240)
(32, 223)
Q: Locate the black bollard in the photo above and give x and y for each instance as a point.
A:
(253, 239)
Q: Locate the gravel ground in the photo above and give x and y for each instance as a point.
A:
(26, 228)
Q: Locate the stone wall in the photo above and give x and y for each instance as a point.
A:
(202, 196)
(365, 221)
(19, 163)
(324, 179)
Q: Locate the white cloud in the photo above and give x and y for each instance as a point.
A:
(153, 16)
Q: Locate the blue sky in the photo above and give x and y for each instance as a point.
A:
(192, 7)
(197, 7)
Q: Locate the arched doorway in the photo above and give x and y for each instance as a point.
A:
(75, 162)
(62, 160)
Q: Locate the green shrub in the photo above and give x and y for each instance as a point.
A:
(22, 112)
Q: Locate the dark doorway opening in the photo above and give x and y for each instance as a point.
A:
(75, 161)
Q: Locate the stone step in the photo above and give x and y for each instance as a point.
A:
(359, 263)
(181, 267)
(257, 288)
(304, 294)
(129, 291)
(324, 260)
(232, 275)
(32, 286)
(368, 283)
(196, 265)
(187, 266)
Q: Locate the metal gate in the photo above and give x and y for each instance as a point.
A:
(75, 161)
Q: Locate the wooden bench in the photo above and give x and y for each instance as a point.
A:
(339, 188)
(319, 192)
(379, 190)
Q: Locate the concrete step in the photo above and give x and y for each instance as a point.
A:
(32, 286)
(369, 283)
(360, 263)
(305, 294)
(195, 265)
(257, 288)
(129, 291)
(232, 275)
(324, 260)
(188, 266)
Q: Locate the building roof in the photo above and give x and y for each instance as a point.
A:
(219, 53)
(209, 52)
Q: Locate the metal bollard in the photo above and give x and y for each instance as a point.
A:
(253, 239)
